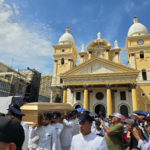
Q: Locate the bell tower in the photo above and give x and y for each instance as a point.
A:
(65, 56)
(138, 49)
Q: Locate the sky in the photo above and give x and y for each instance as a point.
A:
(30, 28)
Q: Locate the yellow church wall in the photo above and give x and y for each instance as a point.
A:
(143, 89)
(62, 68)
(134, 42)
(144, 62)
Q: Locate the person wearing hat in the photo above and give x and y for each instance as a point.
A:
(114, 135)
(67, 133)
(46, 133)
(87, 139)
(76, 122)
(11, 134)
(14, 112)
(142, 143)
(98, 130)
(58, 126)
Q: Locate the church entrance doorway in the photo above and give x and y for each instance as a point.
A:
(124, 110)
(100, 109)
(77, 106)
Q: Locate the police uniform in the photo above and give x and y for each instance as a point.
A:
(67, 133)
(76, 123)
(15, 111)
(59, 128)
(47, 135)
(90, 141)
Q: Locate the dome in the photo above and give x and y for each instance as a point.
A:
(66, 38)
(137, 29)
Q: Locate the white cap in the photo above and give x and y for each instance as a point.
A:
(118, 115)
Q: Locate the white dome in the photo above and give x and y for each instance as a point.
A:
(66, 38)
(137, 29)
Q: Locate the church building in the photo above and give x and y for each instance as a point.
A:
(101, 83)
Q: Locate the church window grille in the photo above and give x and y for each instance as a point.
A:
(141, 55)
(122, 95)
(78, 95)
(144, 75)
(99, 96)
(62, 61)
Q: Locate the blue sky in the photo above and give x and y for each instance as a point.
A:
(29, 28)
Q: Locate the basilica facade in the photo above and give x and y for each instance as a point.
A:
(101, 83)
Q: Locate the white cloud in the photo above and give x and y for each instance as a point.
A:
(30, 45)
(16, 9)
(74, 21)
(129, 6)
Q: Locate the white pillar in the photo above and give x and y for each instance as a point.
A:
(133, 60)
(55, 67)
(117, 57)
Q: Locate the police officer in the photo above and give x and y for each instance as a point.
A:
(76, 122)
(15, 113)
(87, 140)
(46, 133)
(67, 133)
(58, 126)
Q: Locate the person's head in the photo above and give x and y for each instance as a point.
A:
(97, 124)
(11, 134)
(131, 123)
(101, 116)
(147, 124)
(116, 118)
(85, 123)
(96, 118)
(57, 116)
(46, 119)
(74, 114)
(110, 120)
(69, 116)
(14, 112)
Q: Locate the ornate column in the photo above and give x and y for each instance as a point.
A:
(109, 101)
(134, 97)
(64, 94)
(133, 61)
(117, 57)
(55, 67)
(86, 104)
(90, 54)
(107, 54)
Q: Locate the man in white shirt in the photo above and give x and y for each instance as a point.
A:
(67, 133)
(87, 140)
(98, 130)
(46, 133)
(14, 112)
(59, 127)
(76, 122)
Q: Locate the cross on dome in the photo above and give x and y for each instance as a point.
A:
(82, 50)
(98, 35)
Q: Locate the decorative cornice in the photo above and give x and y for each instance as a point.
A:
(65, 87)
(133, 86)
(139, 47)
(85, 86)
(64, 45)
(138, 37)
(108, 86)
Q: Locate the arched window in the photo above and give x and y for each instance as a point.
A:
(144, 75)
(124, 110)
(141, 54)
(62, 61)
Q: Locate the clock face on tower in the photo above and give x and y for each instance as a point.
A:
(140, 42)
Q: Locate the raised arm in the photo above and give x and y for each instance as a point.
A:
(68, 123)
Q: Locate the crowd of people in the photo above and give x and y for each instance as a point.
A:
(74, 131)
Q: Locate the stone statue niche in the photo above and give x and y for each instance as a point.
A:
(57, 99)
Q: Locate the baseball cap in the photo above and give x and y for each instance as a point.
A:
(131, 122)
(11, 131)
(47, 116)
(85, 117)
(117, 115)
(112, 114)
(57, 115)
